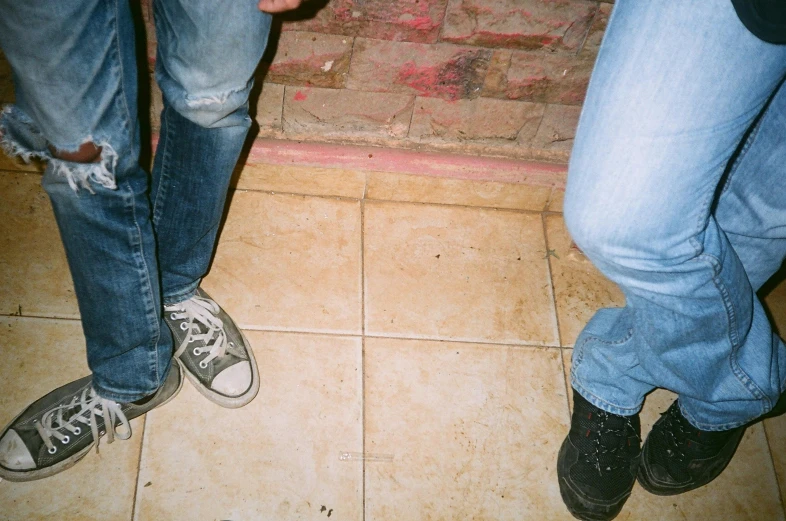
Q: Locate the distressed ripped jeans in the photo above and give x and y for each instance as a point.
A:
(132, 245)
(677, 192)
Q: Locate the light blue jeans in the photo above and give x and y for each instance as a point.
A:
(677, 193)
(133, 244)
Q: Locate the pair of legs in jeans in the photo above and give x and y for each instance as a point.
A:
(677, 193)
(137, 249)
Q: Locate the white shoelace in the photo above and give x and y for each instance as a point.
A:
(90, 406)
(199, 310)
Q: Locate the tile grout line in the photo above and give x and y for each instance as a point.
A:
(480, 341)
(556, 316)
(41, 317)
(363, 351)
(774, 470)
(392, 336)
(419, 203)
(548, 201)
(362, 334)
(139, 471)
(551, 280)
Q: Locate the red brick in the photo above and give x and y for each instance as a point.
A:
(267, 107)
(554, 139)
(596, 31)
(433, 70)
(344, 114)
(490, 121)
(539, 77)
(305, 58)
(156, 103)
(399, 20)
(150, 29)
(519, 24)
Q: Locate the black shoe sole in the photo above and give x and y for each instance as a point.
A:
(660, 489)
(580, 506)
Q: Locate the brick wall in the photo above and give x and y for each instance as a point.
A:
(494, 77)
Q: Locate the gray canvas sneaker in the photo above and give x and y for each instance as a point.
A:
(214, 353)
(59, 429)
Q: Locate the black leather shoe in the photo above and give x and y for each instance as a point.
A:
(678, 457)
(598, 461)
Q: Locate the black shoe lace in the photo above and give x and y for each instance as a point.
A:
(675, 434)
(612, 444)
(684, 441)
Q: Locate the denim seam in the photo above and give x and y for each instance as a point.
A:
(732, 327)
(600, 402)
(741, 156)
(579, 350)
(734, 364)
(177, 298)
(707, 427)
(701, 226)
(140, 258)
(118, 58)
(163, 183)
(714, 265)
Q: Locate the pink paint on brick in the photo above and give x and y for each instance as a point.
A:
(399, 20)
(431, 81)
(300, 96)
(422, 23)
(444, 71)
(519, 24)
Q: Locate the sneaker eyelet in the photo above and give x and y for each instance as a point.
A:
(66, 440)
(203, 365)
(190, 339)
(184, 326)
(196, 351)
(232, 344)
(52, 450)
(77, 431)
(172, 317)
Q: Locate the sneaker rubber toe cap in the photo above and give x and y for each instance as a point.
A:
(14, 454)
(234, 380)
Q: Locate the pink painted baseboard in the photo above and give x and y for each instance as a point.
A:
(432, 164)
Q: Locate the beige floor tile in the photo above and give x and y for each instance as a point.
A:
(278, 457)
(40, 355)
(474, 431)
(33, 269)
(557, 200)
(425, 189)
(290, 262)
(456, 273)
(302, 180)
(579, 288)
